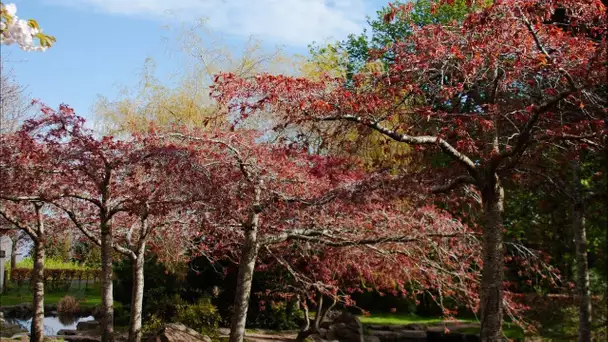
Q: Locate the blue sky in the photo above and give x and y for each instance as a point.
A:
(102, 44)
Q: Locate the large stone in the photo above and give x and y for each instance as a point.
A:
(451, 337)
(369, 338)
(67, 332)
(396, 336)
(346, 328)
(87, 325)
(9, 329)
(175, 332)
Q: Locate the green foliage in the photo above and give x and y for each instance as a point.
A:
(53, 263)
(162, 305)
(161, 291)
(87, 253)
(383, 33)
(276, 316)
(201, 316)
(152, 324)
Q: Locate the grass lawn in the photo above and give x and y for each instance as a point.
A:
(87, 298)
(511, 330)
(403, 319)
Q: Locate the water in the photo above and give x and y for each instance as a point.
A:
(52, 324)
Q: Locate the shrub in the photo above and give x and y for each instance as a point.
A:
(277, 316)
(201, 316)
(163, 306)
(68, 305)
(152, 324)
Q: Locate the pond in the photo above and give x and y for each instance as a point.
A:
(52, 324)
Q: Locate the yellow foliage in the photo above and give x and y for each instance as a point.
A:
(201, 56)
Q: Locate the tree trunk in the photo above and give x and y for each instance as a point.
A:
(249, 254)
(37, 334)
(137, 298)
(107, 295)
(14, 252)
(493, 261)
(582, 267)
(319, 312)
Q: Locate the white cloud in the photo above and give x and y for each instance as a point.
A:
(291, 22)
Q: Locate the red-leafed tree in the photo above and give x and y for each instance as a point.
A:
(426, 251)
(486, 94)
(264, 198)
(26, 185)
(123, 195)
(90, 187)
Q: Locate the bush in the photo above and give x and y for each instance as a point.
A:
(277, 316)
(152, 324)
(68, 305)
(201, 316)
(163, 306)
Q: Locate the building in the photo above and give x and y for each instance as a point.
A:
(5, 254)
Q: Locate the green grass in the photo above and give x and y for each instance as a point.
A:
(51, 264)
(87, 298)
(511, 330)
(403, 319)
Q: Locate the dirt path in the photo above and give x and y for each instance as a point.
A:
(263, 336)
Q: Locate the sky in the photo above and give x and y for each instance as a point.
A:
(102, 44)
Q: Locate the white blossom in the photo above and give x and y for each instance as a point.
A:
(18, 31)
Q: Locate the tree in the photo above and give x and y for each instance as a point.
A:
(90, 185)
(490, 92)
(355, 54)
(22, 32)
(14, 106)
(123, 195)
(575, 182)
(25, 183)
(265, 198)
(184, 100)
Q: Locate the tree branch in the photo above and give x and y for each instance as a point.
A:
(453, 184)
(413, 140)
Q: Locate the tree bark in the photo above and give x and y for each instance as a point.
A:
(14, 252)
(491, 305)
(137, 298)
(319, 312)
(37, 334)
(107, 295)
(582, 267)
(249, 254)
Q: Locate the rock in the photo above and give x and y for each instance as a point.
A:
(87, 325)
(9, 329)
(451, 337)
(378, 327)
(414, 327)
(322, 333)
(23, 337)
(67, 332)
(395, 336)
(176, 332)
(369, 338)
(346, 328)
